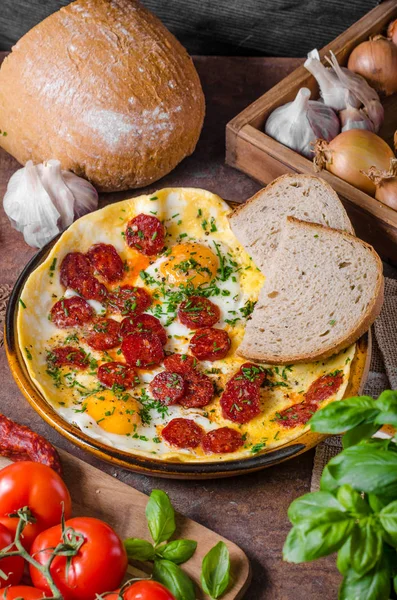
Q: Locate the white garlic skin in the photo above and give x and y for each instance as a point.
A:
(299, 123)
(43, 200)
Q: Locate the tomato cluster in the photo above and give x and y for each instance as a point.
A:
(85, 556)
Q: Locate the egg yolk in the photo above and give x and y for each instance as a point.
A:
(190, 262)
(113, 414)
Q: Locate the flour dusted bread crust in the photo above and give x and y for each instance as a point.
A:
(104, 87)
(323, 291)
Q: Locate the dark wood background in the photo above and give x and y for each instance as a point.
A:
(223, 27)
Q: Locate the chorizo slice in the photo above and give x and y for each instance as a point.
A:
(145, 233)
(183, 433)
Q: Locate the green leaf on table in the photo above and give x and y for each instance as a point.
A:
(343, 562)
(352, 501)
(342, 416)
(375, 585)
(388, 520)
(359, 433)
(174, 579)
(215, 570)
(178, 551)
(366, 546)
(327, 482)
(160, 516)
(314, 506)
(139, 549)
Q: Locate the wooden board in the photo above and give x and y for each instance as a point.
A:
(249, 149)
(96, 494)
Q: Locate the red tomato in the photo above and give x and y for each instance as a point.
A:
(21, 592)
(144, 590)
(12, 566)
(99, 565)
(38, 487)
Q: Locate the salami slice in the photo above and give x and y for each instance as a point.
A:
(103, 334)
(197, 312)
(240, 401)
(295, 415)
(67, 356)
(180, 363)
(129, 300)
(210, 344)
(106, 262)
(74, 265)
(71, 312)
(199, 390)
(183, 433)
(143, 350)
(324, 387)
(89, 287)
(222, 441)
(146, 233)
(167, 387)
(119, 374)
(143, 324)
(251, 372)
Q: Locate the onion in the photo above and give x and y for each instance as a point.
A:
(352, 152)
(376, 60)
(392, 31)
(386, 184)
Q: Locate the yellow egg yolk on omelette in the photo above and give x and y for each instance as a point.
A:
(190, 262)
(113, 414)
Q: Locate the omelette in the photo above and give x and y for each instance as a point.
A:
(130, 330)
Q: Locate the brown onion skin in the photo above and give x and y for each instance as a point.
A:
(392, 32)
(386, 193)
(376, 61)
(352, 152)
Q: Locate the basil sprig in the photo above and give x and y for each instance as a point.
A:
(215, 571)
(355, 511)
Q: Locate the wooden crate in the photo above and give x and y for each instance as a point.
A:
(250, 150)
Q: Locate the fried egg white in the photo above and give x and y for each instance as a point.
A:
(201, 250)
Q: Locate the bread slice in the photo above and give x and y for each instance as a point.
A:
(324, 290)
(257, 223)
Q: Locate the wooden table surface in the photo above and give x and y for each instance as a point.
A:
(249, 510)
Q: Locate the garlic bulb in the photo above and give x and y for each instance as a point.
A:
(42, 200)
(355, 118)
(299, 123)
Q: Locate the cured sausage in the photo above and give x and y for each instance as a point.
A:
(222, 441)
(129, 300)
(199, 390)
(180, 363)
(117, 373)
(143, 324)
(106, 262)
(143, 350)
(18, 442)
(324, 387)
(210, 344)
(103, 334)
(183, 433)
(68, 356)
(74, 265)
(146, 233)
(197, 312)
(168, 387)
(71, 312)
(89, 287)
(251, 372)
(240, 401)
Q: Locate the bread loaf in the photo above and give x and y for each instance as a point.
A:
(104, 87)
(323, 291)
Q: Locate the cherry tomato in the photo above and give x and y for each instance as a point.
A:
(13, 566)
(99, 565)
(144, 590)
(37, 486)
(21, 592)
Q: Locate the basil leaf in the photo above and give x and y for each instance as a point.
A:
(366, 546)
(339, 417)
(387, 401)
(313, 506)
(174, 579)
(352, 501)
(310, 541)
(359, 433)
(160, 516)
(343, 562)
(215, 570)
(327, 482)
(366, 468)
(388, 519)
(178, 551)
(139, 549)
(375, 585)
(376, 503)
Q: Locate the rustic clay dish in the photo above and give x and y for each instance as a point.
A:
(151, 466)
